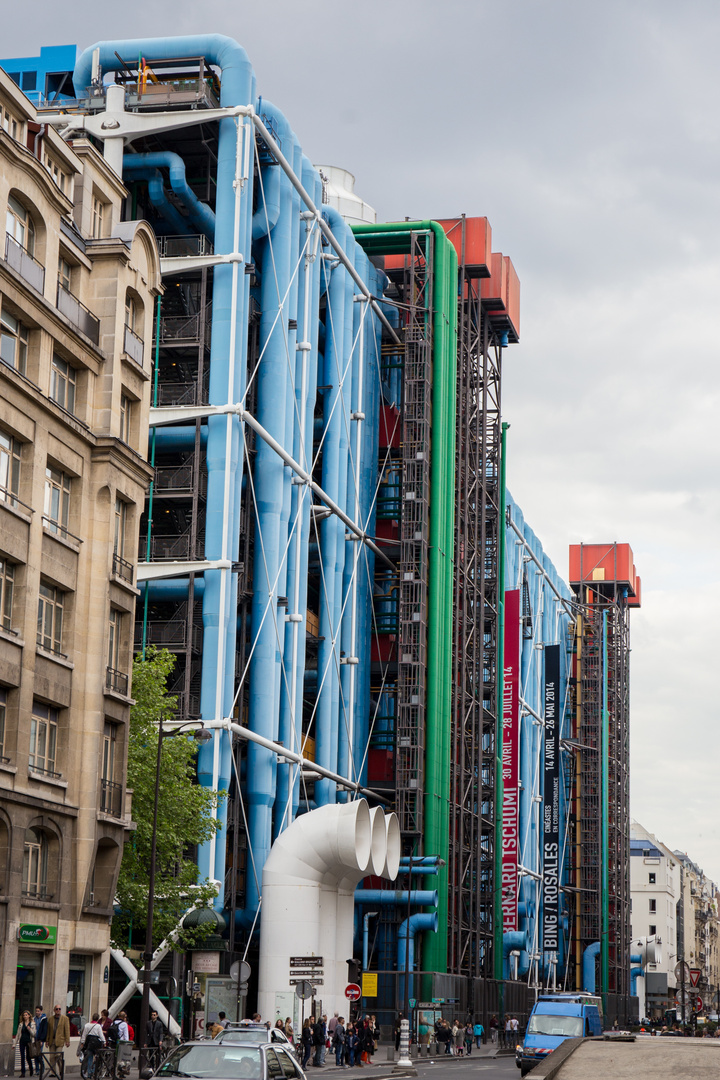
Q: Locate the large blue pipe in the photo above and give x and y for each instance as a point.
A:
(588, 966)
(407, 931)
(422, 897)
(179, 437)
(200, 216)
(297, 562)
(332, 543)
(273, 392)
(156, 193)
(227, 367)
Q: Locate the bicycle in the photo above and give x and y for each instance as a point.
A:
(103, 1064)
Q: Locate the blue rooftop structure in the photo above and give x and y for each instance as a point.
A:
(45, 76)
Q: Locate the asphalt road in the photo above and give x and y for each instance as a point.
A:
(472, 1068)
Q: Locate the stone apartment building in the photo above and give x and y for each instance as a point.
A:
(77, 291)
(655, 890)
(700, 930)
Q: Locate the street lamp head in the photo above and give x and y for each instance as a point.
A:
(202, 736)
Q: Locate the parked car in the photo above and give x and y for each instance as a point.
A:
(255, 1033)
(556, 1017)
(229, 1060)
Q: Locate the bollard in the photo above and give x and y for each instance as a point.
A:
(404, 1064)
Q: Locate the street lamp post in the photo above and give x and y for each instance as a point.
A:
(201, 735)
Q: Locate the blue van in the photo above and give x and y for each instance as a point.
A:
(556, 1017)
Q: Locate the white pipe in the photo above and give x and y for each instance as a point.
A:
(307, 892)
(132, 973)
(290, 755)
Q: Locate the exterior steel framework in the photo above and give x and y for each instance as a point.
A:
(603, 904)
(474, 706)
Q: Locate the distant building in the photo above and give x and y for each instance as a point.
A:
(655, 892)
(76, 308)
(700, 918)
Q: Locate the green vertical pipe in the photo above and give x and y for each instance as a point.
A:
(152, 462)
(604, 839)
(500, 676)
(394, 238)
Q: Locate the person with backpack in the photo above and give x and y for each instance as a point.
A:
(319, 1041)
(91, 1040)
(338, 1041)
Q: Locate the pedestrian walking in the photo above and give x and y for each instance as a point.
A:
(91, 1040)
(514, 1029)
(306, 1037)
(468, 1038)
(478, 1032)
(25, 1036)
(338, 1040)
(493, 1025)
(458, 1032)
(155, 1030)
(396, 1030)
(58, 1036)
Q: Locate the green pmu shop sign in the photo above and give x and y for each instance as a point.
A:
(31, 934)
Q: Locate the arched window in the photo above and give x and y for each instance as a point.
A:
(20, 225)
(35, 864)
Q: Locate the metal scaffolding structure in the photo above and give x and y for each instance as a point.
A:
(475, 609)
(601, 796)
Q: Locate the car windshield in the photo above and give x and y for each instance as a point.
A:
(213, 1061)
(568, 1027)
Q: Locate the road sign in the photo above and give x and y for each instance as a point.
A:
(240, 971)
(304, 990)
(698, 1004)
(306, 961)
(299, 982)
(682, 971)
(353, 992)
(412, 1002)
(695, 974)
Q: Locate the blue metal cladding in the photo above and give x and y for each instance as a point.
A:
(545, 620)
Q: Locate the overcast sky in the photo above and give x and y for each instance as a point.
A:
(589, 135)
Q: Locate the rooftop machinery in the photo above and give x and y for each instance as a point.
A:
(324, 542)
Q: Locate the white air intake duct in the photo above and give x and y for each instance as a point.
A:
(308, 885)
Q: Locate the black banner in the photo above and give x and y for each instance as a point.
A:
(551, 801)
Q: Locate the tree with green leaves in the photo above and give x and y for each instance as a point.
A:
(186, 815)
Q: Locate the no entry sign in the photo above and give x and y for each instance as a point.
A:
(352, 992)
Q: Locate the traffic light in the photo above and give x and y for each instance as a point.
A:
(354, 971)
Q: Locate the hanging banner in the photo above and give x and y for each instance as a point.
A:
(551, 801)
(511, 761)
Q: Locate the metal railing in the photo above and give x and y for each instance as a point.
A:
(11, 499)
(26, 265)
(187, 329)
(117, 681)
(172, 634)
(133, 346)
(34, 767)
(57, 527)
(172, 547)
(175, 478)
(80, 316)
(110, 798)
(41, 644)
(122, 568)
(190, 244)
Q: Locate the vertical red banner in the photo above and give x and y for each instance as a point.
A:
(511, 761)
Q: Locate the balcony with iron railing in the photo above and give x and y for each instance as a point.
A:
(175, 479)
(80, 316)
(116, 681)
(25, 264)
(133, 346)
(122, 568)
(9, 498)
(184, 393)
(110, 798)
